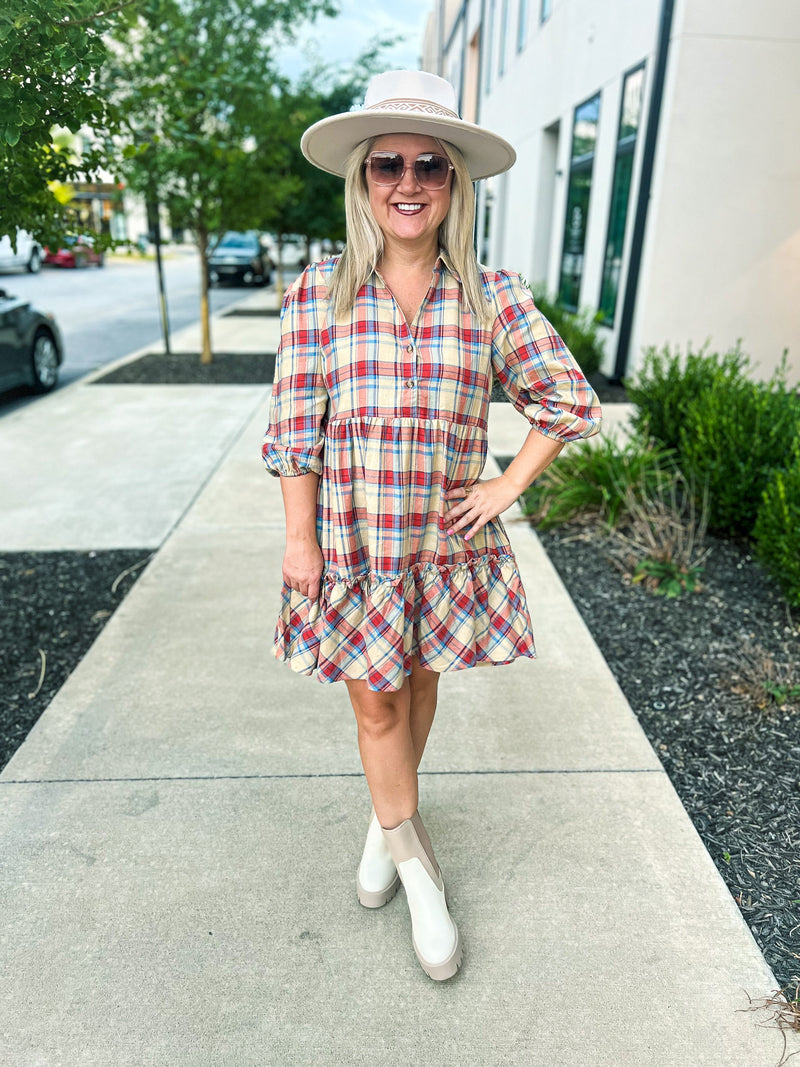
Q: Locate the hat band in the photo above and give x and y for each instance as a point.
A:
(420, 107)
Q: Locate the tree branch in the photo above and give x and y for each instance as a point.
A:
(98, 15)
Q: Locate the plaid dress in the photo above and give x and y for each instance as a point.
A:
(391, 417)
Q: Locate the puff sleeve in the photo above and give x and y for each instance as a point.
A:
(298, 407)
(536, 369)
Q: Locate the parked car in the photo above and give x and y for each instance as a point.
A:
(76, 251)
(239, 258)
(31, 349)
(28, 254)
(292, 251)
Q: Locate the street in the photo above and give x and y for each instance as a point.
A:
(107, 312)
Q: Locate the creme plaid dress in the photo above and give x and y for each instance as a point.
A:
(391, 417)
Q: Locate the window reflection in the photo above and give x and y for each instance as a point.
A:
(584, 138)
(630, 114)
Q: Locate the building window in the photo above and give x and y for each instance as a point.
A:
(485, 229)
(522, 25)
(501, 57)
(584, 138)
(629, 116)
(487, 82)
(545, 10)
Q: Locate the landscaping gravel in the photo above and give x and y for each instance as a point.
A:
(693, 669)
(54, 606)
(185, 368)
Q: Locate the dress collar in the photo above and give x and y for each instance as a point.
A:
(443, 262)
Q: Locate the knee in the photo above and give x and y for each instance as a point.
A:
(379, 714)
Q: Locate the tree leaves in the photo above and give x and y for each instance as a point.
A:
(50, 51)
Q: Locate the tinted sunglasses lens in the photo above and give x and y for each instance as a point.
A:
(386, 168)
(431, 171)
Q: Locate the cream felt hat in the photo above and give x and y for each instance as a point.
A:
(406, 101)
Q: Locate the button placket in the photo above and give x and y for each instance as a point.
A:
(411, 377)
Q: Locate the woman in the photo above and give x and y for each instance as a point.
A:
(397, 566)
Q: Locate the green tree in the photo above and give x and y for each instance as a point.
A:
(313, 204)
(198, 94)
(50, 54)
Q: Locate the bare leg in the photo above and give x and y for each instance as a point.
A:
(424, 690)
(392, 731)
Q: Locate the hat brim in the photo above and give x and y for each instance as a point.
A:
(329, 142)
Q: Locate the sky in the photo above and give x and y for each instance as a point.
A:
(339, 40)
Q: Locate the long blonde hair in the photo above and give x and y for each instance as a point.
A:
(365, 244)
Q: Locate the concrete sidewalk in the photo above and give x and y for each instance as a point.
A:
(181, 829)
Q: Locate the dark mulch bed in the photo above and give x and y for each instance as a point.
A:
(683, 665)
(54, 606)
(181, 368)
(251, 313)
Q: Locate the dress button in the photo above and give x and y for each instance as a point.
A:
(409, 348)
(410, 383)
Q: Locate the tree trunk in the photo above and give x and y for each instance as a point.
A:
(206, 355)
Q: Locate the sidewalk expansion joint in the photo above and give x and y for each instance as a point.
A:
(330, 774)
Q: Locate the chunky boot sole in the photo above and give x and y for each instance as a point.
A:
(440, 972)
(372, 899)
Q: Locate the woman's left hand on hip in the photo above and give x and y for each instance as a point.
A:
(477, 504)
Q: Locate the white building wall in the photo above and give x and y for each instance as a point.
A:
(721, 254)
(577, 52)
(722, 258)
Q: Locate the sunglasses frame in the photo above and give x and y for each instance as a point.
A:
(406, 166)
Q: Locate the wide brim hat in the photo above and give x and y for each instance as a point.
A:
(406, 101)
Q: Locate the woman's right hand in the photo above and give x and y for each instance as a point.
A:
(303, 564)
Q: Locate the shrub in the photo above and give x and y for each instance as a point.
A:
(668, 383)
(578, 332)
(730, 432)
(777, 528)
(734, 436)
(598, 481)
(661, 539)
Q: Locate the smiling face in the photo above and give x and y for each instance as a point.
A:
(408, 215)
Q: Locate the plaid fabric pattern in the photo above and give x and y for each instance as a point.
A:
(391, 417)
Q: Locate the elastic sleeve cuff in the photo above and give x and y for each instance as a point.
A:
(291, 464)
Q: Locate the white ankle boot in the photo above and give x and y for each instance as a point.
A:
(434, 934)
(377, 880)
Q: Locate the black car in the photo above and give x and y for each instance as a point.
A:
(239, 258)
(31, 349)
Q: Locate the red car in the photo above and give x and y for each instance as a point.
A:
(75, 252)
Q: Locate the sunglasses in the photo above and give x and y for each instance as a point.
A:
(389, 168)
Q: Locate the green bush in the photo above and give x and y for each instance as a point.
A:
(777, 528)
(598, 480)
(667, 385)
(735, 435)
(730, 432)
(578, 332)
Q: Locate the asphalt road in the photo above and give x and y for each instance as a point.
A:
(107, 312)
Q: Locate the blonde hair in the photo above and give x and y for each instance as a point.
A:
(365, 245)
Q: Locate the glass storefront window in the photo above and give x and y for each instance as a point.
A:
(522, 25)
(630, 113)
(487, 80)
(501, 59)
(584, 137)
